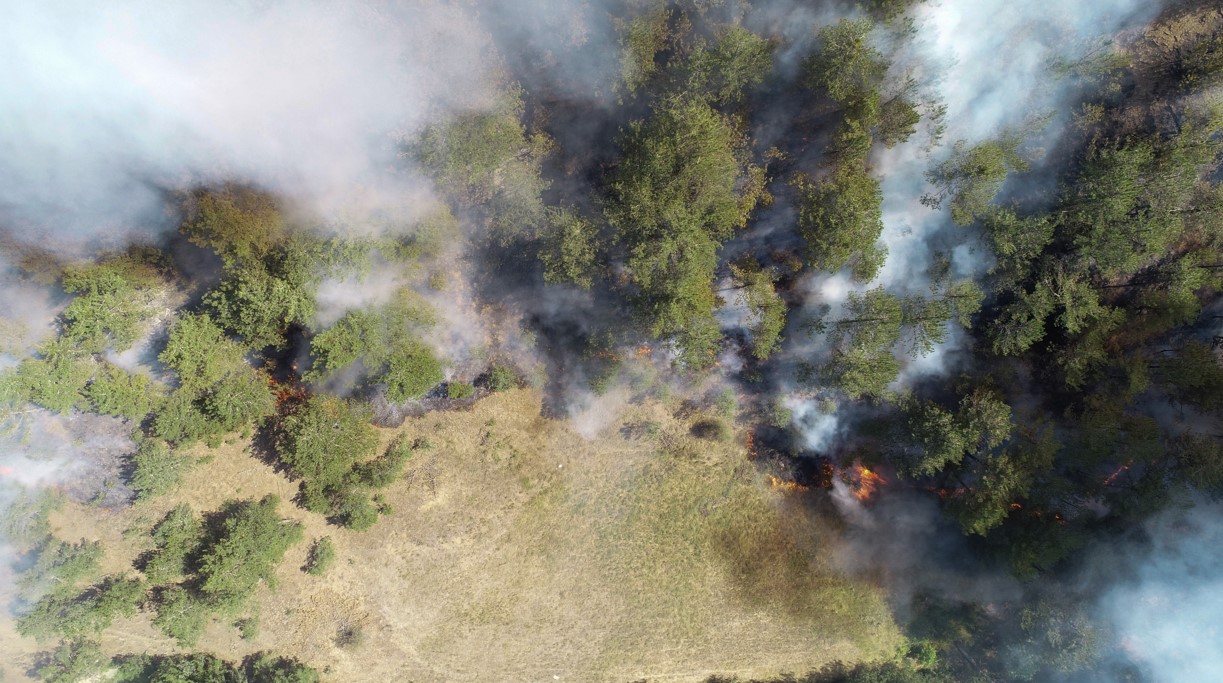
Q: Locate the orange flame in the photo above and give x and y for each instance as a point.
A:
(863, 482)
(783, 485)
(751, 446)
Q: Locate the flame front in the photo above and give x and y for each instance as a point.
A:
(863, 482)
(784, 485)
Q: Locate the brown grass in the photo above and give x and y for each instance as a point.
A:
(520, 551)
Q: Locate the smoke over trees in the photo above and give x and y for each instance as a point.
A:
(955, 257)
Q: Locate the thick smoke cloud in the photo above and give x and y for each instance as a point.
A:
(104, 104)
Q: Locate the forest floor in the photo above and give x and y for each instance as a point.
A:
(520, 551)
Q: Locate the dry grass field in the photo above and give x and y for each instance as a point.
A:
(520, 551)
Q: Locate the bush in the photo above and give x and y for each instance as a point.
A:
(353, 509)
(349, 634)
(322, 557)
(265, 668)
(385, 470)
(459, 390)
(248, 628)
(501, 378)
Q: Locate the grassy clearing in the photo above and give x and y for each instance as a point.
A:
(520, 551)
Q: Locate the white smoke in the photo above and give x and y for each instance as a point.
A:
(1167, 614)
(990, 62)
(103, 104)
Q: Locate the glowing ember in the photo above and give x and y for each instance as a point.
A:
(751, 446)
(1113, 477)
(863, 482)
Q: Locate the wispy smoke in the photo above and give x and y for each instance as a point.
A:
(991, 64)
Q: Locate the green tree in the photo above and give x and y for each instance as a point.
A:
(411, 370)
(682, 187)
(737, 60)
(239, 223)
(59, 566)
(941, 438)
(56, 380)
(841, 218)
(251, 542)
(70, 662)
(241, 397)
(181, 616)
(764, 305)
(70, 615)
(570, 249)
(973, 176)
(199, 353)
(487, 159)
(1195, 374)
(384, 340)
(641, 38)
(115, 297)
(259, 300)
(846, 65)
(325, 437)
(177, 538)
(117, 392)
(266, 668)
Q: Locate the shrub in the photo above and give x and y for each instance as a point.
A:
(459, 390)
(322, 557)
(353, 509)
(265, 668)
(383, 471)
(501, 378)
(248, 628)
